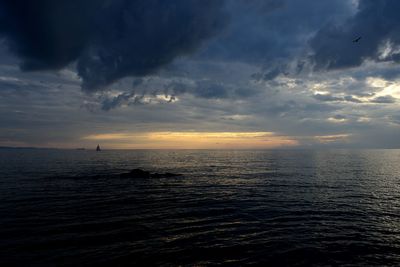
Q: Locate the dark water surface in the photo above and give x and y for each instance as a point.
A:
(297, 208)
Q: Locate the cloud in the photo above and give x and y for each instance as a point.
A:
(272, 33)
(112, 102)
(108, 39)
(324, 139)
(327, 97)
(377, 22)
(111, 40)
(387, 99)
(350, 98)
(332, 98)
(207, 89)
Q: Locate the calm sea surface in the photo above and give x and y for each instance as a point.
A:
(271, 208)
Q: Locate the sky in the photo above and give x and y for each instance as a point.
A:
(149, 74)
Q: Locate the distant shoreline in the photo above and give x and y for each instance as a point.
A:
(14, 147)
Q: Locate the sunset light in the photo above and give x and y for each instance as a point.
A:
(194, 140)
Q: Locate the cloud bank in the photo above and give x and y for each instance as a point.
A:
(108, 39)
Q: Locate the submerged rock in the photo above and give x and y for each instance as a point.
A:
(138, 173)
(164, 175)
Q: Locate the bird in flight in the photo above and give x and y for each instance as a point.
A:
(357, 39)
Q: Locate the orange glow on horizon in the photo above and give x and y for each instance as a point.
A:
(193, 140)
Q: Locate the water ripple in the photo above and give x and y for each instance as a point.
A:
(297, 208)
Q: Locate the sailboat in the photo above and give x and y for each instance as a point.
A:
(98, 148)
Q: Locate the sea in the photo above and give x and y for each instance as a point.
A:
(230, 207)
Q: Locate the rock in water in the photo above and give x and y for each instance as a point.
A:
(136, 173)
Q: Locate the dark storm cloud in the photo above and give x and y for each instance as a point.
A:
(47, 34)
(272, 33)
(108, 39)
(378, 25)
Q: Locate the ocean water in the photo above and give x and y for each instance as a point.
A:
(270, 208)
